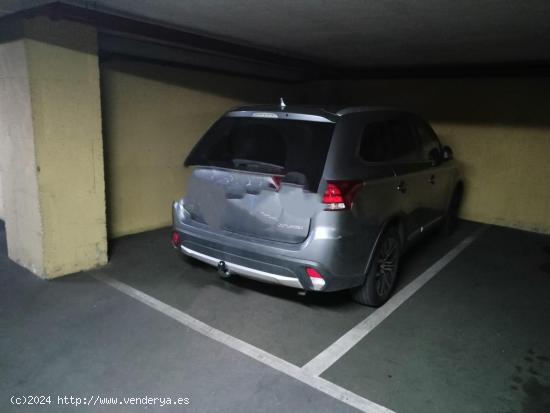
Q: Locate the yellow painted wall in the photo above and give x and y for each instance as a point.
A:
(1, 197)
(17, 155)
(152, 117)
(498, 128)
(65, 98)
(51, 150)
(2, 147)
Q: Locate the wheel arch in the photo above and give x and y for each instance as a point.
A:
(396, 220)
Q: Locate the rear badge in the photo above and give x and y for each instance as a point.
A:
(290, 226)
(265, 115)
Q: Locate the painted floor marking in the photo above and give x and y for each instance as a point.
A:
(243, 347)
(345, 343)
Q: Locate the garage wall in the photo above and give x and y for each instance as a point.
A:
(3, 149)
(498, 128)
(1, 198)
(20, 190)
(152, 117)
(51, 146)
(63, 73)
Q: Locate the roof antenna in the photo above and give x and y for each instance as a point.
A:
(283, 104)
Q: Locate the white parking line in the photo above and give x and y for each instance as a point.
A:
(309, 373)
(256, 353)
(336, 350)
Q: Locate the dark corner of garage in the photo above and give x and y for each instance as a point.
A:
(258, 206)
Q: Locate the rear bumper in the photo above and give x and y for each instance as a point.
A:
(250, 260)
(248, 272)
(339, 255)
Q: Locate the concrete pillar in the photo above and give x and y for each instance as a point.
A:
(51, 146)
(1, 201)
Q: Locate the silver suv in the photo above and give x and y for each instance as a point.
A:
(315, 198)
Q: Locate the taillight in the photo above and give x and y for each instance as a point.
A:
(313, 273)
(276, 182)
(176, 239)
(317, 280)
(339, 194)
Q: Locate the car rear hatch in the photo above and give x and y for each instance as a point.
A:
(258, 175)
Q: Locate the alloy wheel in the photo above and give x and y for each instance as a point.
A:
(386, 270)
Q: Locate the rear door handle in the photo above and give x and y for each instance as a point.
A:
(431, 180)
(402, 187)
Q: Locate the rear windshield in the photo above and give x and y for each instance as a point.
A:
(295, 149)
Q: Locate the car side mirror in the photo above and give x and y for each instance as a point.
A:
(435, 156)
(447, 153)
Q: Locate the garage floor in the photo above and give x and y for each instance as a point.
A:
(473, 339)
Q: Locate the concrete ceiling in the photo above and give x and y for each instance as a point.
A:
(357, 33)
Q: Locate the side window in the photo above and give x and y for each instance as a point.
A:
(428, 139)
(374, 146)
(403, 146)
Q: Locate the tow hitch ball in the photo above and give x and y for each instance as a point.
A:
(222, 270)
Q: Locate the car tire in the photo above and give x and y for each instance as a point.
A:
(450, 219)
(381, 276)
